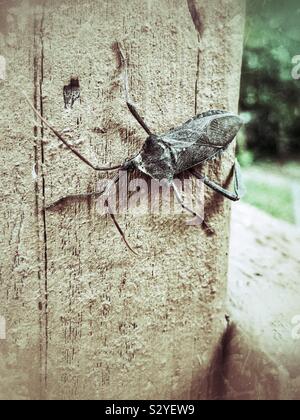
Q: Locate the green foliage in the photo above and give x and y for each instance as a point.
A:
(269, 94)
(245, 158)
(275, 200)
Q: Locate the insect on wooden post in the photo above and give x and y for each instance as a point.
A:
(163, 156)
(88, 315)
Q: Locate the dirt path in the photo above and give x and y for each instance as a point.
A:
(264, 301)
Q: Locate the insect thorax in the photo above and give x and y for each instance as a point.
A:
(196, 141)
(156, 159)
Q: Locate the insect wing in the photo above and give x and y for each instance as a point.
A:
(201, 138)
(222, 129)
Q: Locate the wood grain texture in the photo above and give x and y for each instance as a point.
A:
(85, 318)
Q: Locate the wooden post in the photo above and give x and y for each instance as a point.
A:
(85, 318)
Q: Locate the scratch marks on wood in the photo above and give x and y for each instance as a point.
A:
(18, 242)
(41, 186)
(197, 17)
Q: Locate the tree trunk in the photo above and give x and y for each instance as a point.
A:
(85, 318)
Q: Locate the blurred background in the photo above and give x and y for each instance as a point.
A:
(269, 145)
(264, 273)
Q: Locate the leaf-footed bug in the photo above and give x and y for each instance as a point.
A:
(164, 156)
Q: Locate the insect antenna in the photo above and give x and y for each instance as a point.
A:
(68, 145)
(137, 116)
(120, 230)
(96, 168)
(129, 102)
(105, 193)
(115, 181)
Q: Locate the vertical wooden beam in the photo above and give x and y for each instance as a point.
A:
(110, 325)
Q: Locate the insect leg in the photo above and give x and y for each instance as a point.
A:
(239, 189)
(239, 185)
(69, 146)
(228, 194)
(105, 192)
(115, 181)
(181, 202)
(139, 119)
(129, 103)
(120, 230)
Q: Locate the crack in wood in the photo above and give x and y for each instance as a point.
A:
(196, 16)
(40, 146)
(197, 79)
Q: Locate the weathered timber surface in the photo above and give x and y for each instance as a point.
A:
(85, 318)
